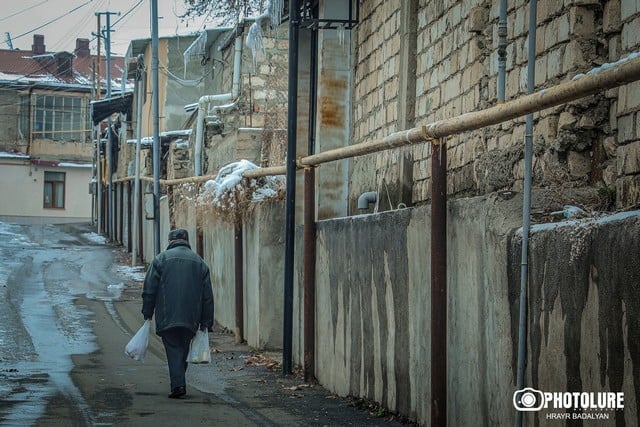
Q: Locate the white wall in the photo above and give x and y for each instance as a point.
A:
(22, 187)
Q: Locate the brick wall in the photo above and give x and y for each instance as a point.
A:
(591, 143)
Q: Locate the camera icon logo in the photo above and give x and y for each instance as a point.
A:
(528, 399)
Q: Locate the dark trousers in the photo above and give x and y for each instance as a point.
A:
(176, 345)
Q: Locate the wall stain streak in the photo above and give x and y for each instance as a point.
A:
(563, 263)
(360, 280)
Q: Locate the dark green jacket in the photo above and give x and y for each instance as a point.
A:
(178, 288)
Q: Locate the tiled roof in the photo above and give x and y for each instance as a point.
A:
(52, 68)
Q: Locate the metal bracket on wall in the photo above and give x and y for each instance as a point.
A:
(348, 16)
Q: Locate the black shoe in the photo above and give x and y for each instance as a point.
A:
(178, 392)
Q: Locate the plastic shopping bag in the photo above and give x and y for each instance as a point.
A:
(199, 351)
(137, 346)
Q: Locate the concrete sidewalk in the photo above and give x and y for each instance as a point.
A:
(249, 384)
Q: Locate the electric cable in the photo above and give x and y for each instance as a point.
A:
(51, 21)
(22, 11)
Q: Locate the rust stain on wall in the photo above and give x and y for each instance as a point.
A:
(332, 108)
(331, 112)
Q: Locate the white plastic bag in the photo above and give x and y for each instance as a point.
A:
(137, 347)
(199, 351)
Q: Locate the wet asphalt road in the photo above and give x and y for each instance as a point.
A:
(43, 268)
(68, 306)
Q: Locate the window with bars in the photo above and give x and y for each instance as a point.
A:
(59, 118)
(54, 190)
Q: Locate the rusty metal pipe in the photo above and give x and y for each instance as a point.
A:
(589, 84)
(438, 285)
(239, 278)
(309, 231)
(309, 273)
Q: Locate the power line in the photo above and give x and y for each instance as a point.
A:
(135, 6)
(22, 11)
(51, 21)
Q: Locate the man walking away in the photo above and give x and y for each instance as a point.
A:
(178, 288)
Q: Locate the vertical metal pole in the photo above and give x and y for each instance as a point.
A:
(99, 78)
(239, 265)
(526, 207)
(502, 50)
(99, 136)
(290, 220)
(156, 127)
(98, 178)
(309, 255)
(112, 216)
(439, 284)
(309, 274)
(136, 191)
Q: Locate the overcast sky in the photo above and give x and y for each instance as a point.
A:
(22, 19)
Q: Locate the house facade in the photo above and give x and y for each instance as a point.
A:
(46, 133)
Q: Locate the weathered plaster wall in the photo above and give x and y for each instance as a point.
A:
(264, 276)
(218, 244)
(10, 139)
(372, 299)
(60, 150)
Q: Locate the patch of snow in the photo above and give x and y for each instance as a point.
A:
(7, 155)
(221, 191)
(263, 193)
(75, 165)
(228, 177)
(136, 273)
(96, 238)
(585, 222)
(609, 65)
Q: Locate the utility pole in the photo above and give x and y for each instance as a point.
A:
(156, 127)
(106, 33)
(98, 82)
(290, 214)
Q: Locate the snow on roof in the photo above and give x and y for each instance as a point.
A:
(7, 155)
(148, 140)
(74, 165)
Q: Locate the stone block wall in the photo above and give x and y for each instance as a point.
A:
(592, 142)
(382, 93)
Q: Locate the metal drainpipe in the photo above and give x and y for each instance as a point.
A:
(309, 232)
(136, 191)
(502, 50)
(290, 214)
(526, 207)
(439, 283)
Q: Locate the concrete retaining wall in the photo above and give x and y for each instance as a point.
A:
(373, 310)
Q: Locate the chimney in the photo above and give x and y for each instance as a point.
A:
(82, 48)
(38, 46)
(64, 64)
